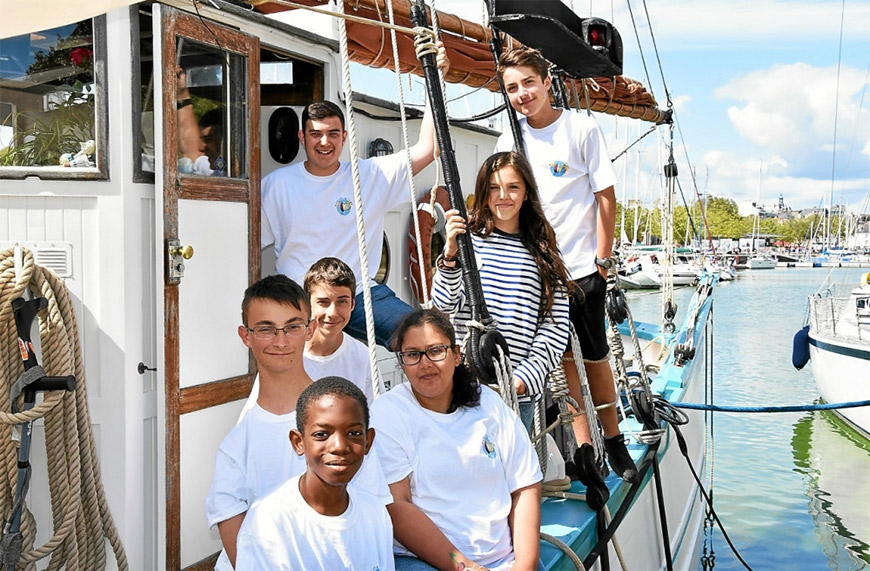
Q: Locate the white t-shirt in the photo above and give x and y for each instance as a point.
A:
(256, 457)
(308, 217)
(350, 361)
(570, 162)
(463, 467)
(282, 532)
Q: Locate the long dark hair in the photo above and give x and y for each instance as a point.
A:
(466, 388)
(536, 234)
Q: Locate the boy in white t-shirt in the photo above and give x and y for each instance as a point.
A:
(256, 457)
(315, 520)
(568, 155)
(331, 352)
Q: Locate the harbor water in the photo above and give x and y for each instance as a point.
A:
(792, 489)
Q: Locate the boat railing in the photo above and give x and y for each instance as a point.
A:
(827, 316)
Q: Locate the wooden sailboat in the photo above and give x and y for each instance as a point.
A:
(142, 246)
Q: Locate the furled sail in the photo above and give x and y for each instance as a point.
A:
(467, 45)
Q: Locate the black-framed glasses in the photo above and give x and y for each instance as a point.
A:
(434, 353)
(267, 332)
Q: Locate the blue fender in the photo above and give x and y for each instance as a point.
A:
(800, 353)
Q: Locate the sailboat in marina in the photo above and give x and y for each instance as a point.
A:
(836, 340)
(154, 256)
(758, 261)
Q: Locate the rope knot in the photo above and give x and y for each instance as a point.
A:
(424, 42)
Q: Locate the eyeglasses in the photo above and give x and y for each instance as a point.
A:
(267, 332)
(434, 353)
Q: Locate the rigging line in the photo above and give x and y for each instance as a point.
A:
(857, 125)
(836, 110)
(411, 186)
(358, 205)
(658, 58)
(453, 120)
(357, 19)
(692, 174)
(636, 141)
(689, 218)
(472, 92)
(640, 49)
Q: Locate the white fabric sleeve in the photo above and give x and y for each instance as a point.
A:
(227, 495)
(395, 169)
(594, 147)
(391, 439)
(520, 461)
(547, 348)
(267, 236)
(448, 293)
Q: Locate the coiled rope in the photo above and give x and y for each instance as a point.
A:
(80, 512)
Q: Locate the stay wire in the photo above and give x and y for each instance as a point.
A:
(640, 48)
(658, 58)
(666, 411)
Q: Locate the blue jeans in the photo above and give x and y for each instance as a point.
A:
(527, 415)
(408, 563)
(388, 311)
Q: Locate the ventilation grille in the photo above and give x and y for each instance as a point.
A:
(56, 256)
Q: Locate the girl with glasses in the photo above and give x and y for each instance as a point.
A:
(464, 476)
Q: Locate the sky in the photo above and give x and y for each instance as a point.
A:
(753, 84)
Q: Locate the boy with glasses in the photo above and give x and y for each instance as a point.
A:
(256, 456)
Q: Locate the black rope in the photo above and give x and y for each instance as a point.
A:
(663, 516)
(605, 537)
(414, 114)
(677, 418)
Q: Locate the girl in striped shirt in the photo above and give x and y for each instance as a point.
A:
(525, 283)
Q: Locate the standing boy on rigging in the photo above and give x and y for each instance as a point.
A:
(575, 181)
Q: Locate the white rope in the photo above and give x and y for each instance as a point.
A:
(424, 284)
(342, 16)
(595, 434)
(357, 200)
(81, 519)
(504, 376)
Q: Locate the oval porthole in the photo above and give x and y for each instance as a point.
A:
(384, 267)
(283, 135)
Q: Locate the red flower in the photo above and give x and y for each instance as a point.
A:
(80, 56)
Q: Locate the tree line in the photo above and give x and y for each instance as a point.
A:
(723, 219)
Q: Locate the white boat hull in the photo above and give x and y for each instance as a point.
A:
(639, 534)
(760, 264)
(842, 372)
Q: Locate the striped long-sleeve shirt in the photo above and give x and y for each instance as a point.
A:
(512, 291)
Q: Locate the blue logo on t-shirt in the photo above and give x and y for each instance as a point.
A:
(343, 205)
(558, 168)
(488, 447)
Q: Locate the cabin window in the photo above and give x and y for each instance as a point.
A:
(288, 80)
(143, 93)
(52, 103)
(211, 93)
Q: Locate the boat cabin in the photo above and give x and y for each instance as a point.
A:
(157, 238)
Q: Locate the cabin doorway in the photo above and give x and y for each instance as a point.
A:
(210, 219)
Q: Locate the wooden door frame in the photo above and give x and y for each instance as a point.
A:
(181, 401)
